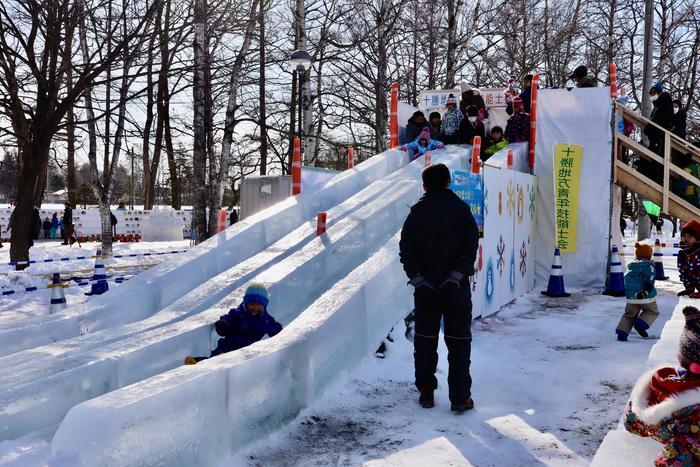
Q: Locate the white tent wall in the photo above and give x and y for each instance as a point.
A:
(580, 116)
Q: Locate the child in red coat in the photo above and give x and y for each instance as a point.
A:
(665, 403)
(689, 259)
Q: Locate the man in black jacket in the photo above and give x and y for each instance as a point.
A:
(68, 224)
(438, 248)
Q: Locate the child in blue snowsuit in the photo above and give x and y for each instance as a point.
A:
(641, 310)
(244, 325)
(422, 144)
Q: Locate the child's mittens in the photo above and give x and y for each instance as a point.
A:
(403, 148)
(440, 146)
(641, 295)
(684, 292)
(221, 327)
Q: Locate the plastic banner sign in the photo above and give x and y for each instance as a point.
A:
(468, 186)
(567, 179)
(494, 98)
(437, 99)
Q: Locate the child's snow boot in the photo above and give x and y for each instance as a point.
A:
(381, 351)
(621, 335)
(426, 399)
(461, 408)
(189, 360)
(641, 327)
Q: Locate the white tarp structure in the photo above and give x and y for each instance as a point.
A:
(582, 117)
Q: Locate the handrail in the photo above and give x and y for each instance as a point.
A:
(676, 141)
(671, 141)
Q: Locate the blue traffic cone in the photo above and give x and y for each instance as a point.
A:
(555, 288)
(616, 277)
(659, 262)
(58, 298)
(100, 285)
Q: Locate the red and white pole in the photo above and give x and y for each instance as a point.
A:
(221, 221)
(510, 159)
(351, 157)
(321, 223)
(613, 81)
(476, 152)
(533, 120)
(394, 117)
(296, 167)
(428, 161)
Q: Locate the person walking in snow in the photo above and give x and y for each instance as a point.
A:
(438, 248)
(450, 121)
(641, 310)
(689, 259)
(244, 325)
(54, 225)
(422, 144)
(665, 402)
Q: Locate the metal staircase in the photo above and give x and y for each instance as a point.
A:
(628, 176)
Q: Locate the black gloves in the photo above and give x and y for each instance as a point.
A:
(221, 327)
(454, 279)
(419, 281)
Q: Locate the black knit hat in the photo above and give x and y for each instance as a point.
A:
(689, 346)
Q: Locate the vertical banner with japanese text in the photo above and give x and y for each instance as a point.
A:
(567, 179)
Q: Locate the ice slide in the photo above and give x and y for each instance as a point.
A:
(66, 373)
(168, 281)
(195, 415)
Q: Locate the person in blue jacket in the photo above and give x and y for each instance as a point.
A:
(422, 144)
(244, 325)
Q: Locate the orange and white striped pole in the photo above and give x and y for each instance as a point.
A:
(533, 119)
(613, 81)
(351, 157)
(296, 167)
(476, 151)
(510, 159)
(394, 116)
(321, 223)
(428, 160)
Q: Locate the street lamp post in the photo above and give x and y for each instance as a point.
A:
(301, 61)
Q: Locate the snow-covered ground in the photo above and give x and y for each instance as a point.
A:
(23, 305)
(550, 380)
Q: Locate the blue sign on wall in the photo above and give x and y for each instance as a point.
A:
(468, 187)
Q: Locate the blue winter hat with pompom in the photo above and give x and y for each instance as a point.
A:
(257, 293)
(657, 87)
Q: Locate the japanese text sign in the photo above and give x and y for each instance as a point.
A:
(567, 178)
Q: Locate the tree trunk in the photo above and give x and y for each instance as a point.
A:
(452, 12)
(175, 197)
(199, 158)
(217, 179)
(381, 86)
(262, 98)
(146, 146)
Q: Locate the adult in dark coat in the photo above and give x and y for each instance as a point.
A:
(526, 95)
(414, 127)
(582, 79)
(471, 97)
(679, 119)
(67, 223)
(662, 115)
(438, 248)
(233, 218)
(471, 127)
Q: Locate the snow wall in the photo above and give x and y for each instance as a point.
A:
(505, 260)
(165, 283)
(580, 116)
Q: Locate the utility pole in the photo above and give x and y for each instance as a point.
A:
(308, 141)
(644, 222)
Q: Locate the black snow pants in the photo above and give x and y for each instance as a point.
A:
(454, 305)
